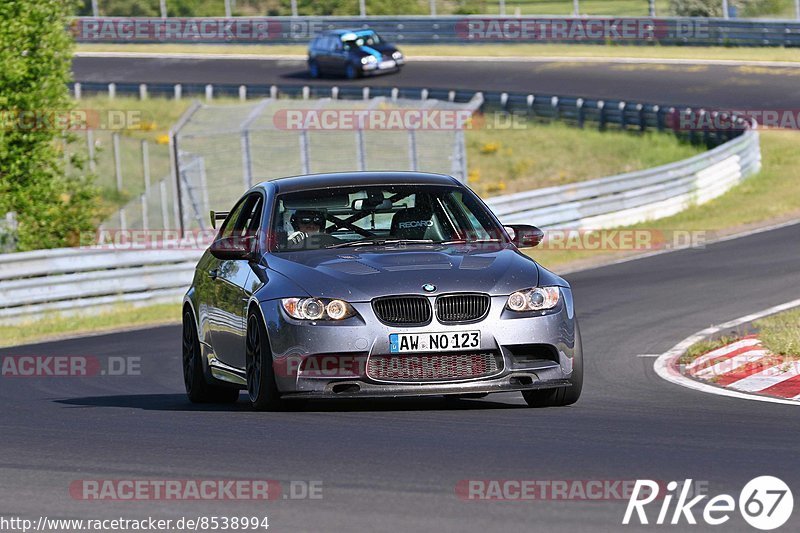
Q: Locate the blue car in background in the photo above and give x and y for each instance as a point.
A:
(352, 53)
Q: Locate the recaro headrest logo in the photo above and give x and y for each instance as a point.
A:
(415, 224)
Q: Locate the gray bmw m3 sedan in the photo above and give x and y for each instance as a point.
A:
(375, 284)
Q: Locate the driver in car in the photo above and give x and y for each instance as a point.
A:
(309, 231)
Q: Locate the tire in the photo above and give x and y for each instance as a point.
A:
(194, 378)
(561, 396)
(313, 69)
(350, 71)
(261, 387)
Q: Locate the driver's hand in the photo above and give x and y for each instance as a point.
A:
(296, 238)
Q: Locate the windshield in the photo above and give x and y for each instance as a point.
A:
(380, 215)
(362, 38)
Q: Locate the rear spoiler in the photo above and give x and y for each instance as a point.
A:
(218, 215)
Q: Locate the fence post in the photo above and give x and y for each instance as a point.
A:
(306, 92)
(365, 93)
(112, 91)
(395, 94)
(163, 9)
(178, 91)
(412, 149)
(556, 110)
(623, 120)
(659, 118)
(95, 9)
(335, 92)
(304, 156)
(162, 186)
(242, 92)
(530, 99)
(228, 11)
(433, 7)
(362, 8)
(361, 150)
(77, 90)
(142, 91)
(423, 94)
(451, 96)
(90, 150)
(247, 164)
(123, 220)
(146, 165)
(145, 223)
(579, 111)
(209, 92)
(117, 161)
(273, 91)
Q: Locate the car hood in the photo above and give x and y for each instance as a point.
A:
(359, 276)
(382, 49)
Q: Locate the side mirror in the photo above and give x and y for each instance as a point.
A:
(234, 248)
(524, 235)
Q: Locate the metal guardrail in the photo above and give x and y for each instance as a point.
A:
(66, 279)
(635, 197)
(448, 30)
(88, 278)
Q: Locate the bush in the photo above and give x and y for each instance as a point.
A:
(696, 8)
(36, 54)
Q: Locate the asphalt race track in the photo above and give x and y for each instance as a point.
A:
(714, 86)
(394, 465)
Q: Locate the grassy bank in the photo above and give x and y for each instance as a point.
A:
(60, 326)
(770, 196)
(490, 50)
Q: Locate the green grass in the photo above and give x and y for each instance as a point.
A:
(702, 347)
(781, 333)
(770, 196)
(58, 325)
(492, 50)
(535, 155)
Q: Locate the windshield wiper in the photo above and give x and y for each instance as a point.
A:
(380, 242)
(467, 241)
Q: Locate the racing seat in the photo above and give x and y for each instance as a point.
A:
(412, 223)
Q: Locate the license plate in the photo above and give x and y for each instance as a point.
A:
(387, 64)
(434, 342)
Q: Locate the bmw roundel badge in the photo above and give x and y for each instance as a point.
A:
(428, 287)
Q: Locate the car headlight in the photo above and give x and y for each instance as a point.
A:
(397, 55)
(366, 60)
(536, 299)
(317, 308)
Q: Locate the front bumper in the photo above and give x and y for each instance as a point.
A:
(387, 65)
(323, 359)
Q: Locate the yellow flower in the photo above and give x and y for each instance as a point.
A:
(490, 148)
(162, 139)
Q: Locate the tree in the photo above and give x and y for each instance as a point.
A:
(36, 54)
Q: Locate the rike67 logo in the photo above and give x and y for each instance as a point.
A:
(765, 503)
